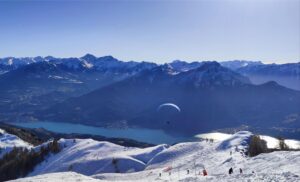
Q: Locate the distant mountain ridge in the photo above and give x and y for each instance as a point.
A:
(31, 83)
(88, 62)
(209, 97)
(285, 74)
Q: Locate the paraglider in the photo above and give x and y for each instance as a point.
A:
(168, 113)
(168, 105)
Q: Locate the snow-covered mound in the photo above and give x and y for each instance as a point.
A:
(216, 136)
(87, 156)
(292, 144)
(8, 142)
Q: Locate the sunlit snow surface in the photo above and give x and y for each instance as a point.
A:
(94, 161)
(215, 136)
(271, 141)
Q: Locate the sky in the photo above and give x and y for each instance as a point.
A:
(158, 30)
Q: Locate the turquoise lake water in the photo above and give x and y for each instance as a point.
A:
(154, 136)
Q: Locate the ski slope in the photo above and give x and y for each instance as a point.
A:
(89, 160)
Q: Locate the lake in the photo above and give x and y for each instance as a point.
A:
(154, 136)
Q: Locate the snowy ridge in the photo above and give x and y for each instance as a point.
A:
(214, 136)
(240, 139)
(85, 63)
(8, 142)
(272, 143)
(104, 161)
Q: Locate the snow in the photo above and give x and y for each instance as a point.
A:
(271, 141)
(63, 176)
(87, 156)
(215, 136)
(240, 139)
(292, 144)
(87, 64)
(10, 61)
(8, 142)
(56, 77)
(104, 161)
(274, 142)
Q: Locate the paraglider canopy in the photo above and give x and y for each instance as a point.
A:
(166, 105)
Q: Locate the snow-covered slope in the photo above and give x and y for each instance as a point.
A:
(103, 161)
(87, 156)
(8, 142)
(62, 176)
(272, 143)
(214, 136)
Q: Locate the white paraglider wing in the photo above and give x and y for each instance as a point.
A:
(169, 105)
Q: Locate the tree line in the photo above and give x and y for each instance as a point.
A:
(19, 162)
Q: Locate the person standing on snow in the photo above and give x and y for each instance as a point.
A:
(230, 171)
(241, 171)
(204, 172)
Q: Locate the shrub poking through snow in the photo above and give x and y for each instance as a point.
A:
(257, 146)
(115, 164)
(70, 168)
(282, 144)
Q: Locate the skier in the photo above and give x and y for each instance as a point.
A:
(204, 172)
(230, 170)
(187, 171)
(241, 171)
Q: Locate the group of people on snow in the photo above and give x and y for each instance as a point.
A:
(231, 171)
(204, 172)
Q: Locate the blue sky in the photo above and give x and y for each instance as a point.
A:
(159, 31)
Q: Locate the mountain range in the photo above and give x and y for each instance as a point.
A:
(105, 91)
(209, 97)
